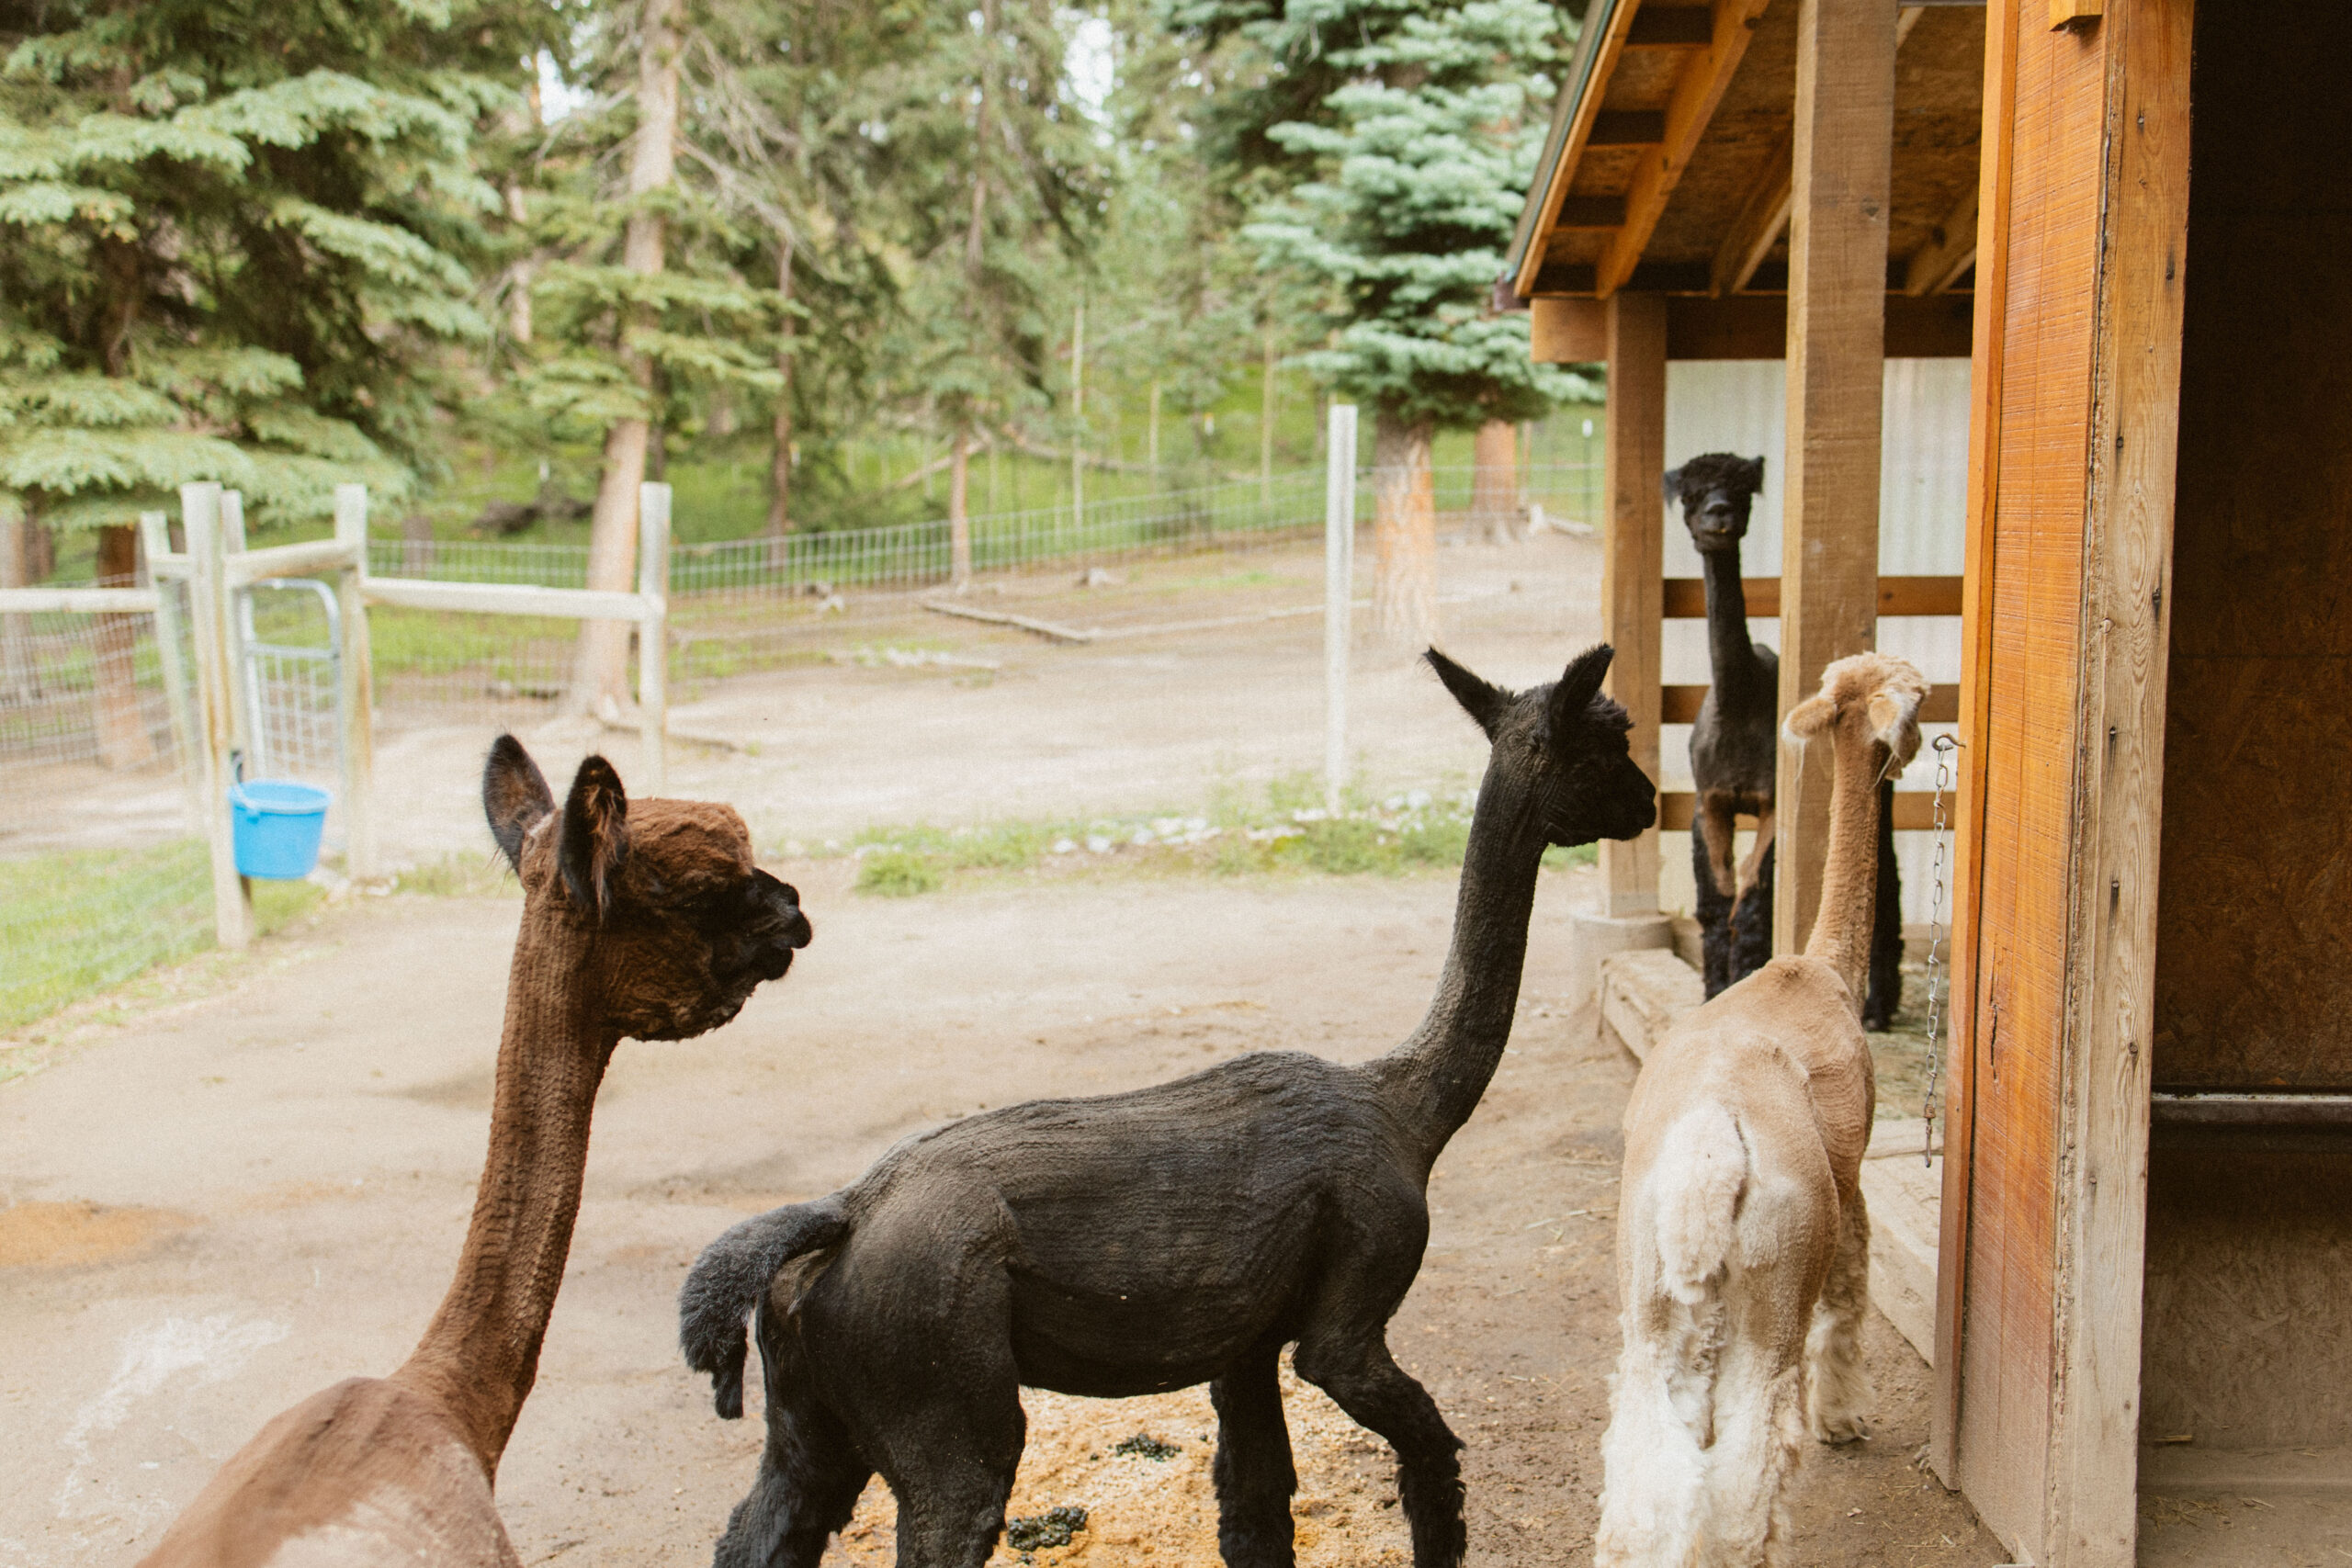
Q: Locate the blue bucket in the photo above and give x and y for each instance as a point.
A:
(277, 827)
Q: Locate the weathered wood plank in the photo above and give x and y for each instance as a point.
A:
(1680, 704)
(1915, 810)
(1599, 48)
(1837, 375)
(1686, 597)
(1632, 571)
(506, 599)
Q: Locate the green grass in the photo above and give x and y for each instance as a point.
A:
(1272, 832)
(75, 922)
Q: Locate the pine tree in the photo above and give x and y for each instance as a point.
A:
(1420, 157)
(237, 247)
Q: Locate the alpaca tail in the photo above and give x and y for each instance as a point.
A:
(728, 1281)
(1656, 1455)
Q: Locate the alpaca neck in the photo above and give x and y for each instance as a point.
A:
(481, 1352)
(1731, 656)
(1842, 925)
(1438, 1075)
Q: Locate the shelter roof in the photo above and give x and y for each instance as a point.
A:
(1667, 168)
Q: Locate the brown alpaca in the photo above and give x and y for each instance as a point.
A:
(1743, 1247)
(647, 921)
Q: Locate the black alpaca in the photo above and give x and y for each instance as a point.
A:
(1148, 1241)
(1734, 753)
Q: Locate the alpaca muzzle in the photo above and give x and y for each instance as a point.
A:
(777, 928)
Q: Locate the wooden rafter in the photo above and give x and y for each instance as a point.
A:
(1701, 86)
(1761, 222)
(1607, 42)
(1949, 254)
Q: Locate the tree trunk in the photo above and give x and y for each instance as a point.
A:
(959, 522)
(1494, 484)
(18, 684)
(780, 454)
(1151, 433)
(1403, 534)
(600, 672)
(123, 740)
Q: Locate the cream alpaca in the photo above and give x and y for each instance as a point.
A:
(1743, 1247)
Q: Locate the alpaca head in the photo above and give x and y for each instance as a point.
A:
(681, 926)
(1560, 749)
(1716, 492)
(1871, 698)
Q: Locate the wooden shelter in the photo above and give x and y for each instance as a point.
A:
(2147, 1202)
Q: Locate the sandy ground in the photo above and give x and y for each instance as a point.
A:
(227, 1202)
(252, 1181)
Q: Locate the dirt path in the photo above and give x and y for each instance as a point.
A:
(218, 1208)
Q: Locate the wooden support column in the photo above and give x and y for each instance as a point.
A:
(1836, 358)
(356, 702)
(1633, 572)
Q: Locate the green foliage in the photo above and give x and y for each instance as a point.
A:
(896, 874)
(240, 243)
(1419, 163)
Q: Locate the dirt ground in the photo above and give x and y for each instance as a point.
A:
(225, 1203)
(252, 1181)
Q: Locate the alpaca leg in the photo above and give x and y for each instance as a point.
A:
(1652, 1466)
(809, 1475)
(953, 1477)
(1760, 1442)
(1837, 1389)
(1885, 998)
(1253, 1472)
(1713, 910)
(1751, 923)
(1364, 1380)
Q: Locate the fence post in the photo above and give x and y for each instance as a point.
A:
(244, 684)
(1338, 591)
(354, 703)
(653, 631)
(232, 914)
(156, 538)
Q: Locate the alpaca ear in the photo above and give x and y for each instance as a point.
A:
(1480, 700)
(1895, 724)
(515, 796)
(594, 835)
(1580, 683)
(1673, 487)
(1755, 476)
(1810, 717)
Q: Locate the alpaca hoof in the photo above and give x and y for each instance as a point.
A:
(1836, 1429)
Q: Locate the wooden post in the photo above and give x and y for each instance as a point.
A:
(1632, 571)
(1338, 593)
(232, 914)
(653, 634)
(1836, 359)
(244, 699)
(1077, 419)
(354, 703)
(155, 541)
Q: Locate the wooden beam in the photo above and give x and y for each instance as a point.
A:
(1996, 159)
(1762, 219)
(1671, 26)
(2110, 1022)
(1843, 155)
(1949, 254)
(1633, 565)
(1627, 128)
(1686, 597)
(1598, 49)
(1680, 704)
(1590, 212)
(1567, 331)
(2066, 13)
(1915, 810)
(1701, 86)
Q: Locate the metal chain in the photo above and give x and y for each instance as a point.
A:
(1945, 745)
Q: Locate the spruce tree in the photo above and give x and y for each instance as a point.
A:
(1415, 147)
(235, 244)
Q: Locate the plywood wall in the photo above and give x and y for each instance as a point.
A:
(2254, 976)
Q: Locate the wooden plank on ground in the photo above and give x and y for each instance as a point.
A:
(1050, 630)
